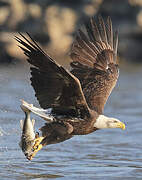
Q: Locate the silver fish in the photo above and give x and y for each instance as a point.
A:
(28, 134)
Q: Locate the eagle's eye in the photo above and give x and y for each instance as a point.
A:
(115, 121)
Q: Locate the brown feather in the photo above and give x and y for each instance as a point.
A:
(98, 81)
(54, 87)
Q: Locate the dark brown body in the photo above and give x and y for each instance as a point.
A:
(65, 128)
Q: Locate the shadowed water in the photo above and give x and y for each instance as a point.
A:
(105, 154)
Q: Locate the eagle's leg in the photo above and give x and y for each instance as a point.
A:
(51, 135)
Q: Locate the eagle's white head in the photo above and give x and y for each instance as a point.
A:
(107, 122)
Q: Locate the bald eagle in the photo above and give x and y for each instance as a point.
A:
(72, 102)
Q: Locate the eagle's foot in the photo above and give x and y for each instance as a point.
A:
(37, 146)
(37, 142)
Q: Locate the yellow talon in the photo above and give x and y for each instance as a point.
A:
(35, 151)
(37, 142)
(36, 147)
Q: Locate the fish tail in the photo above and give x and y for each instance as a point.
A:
(39, 111)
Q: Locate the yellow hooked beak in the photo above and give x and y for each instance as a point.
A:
(121, 125)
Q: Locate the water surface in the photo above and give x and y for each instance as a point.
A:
(105, 154)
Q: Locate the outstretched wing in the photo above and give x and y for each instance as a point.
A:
(54, 87)
(94, 62)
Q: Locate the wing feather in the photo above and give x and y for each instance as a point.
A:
(99, 76)
(115, 45)
(109, 32)
(54, 86)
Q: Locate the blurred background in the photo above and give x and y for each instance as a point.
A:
(54, 23)
(105, 154)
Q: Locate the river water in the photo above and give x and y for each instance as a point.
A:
(105, 154)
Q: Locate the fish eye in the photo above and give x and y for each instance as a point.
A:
(26, 154)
